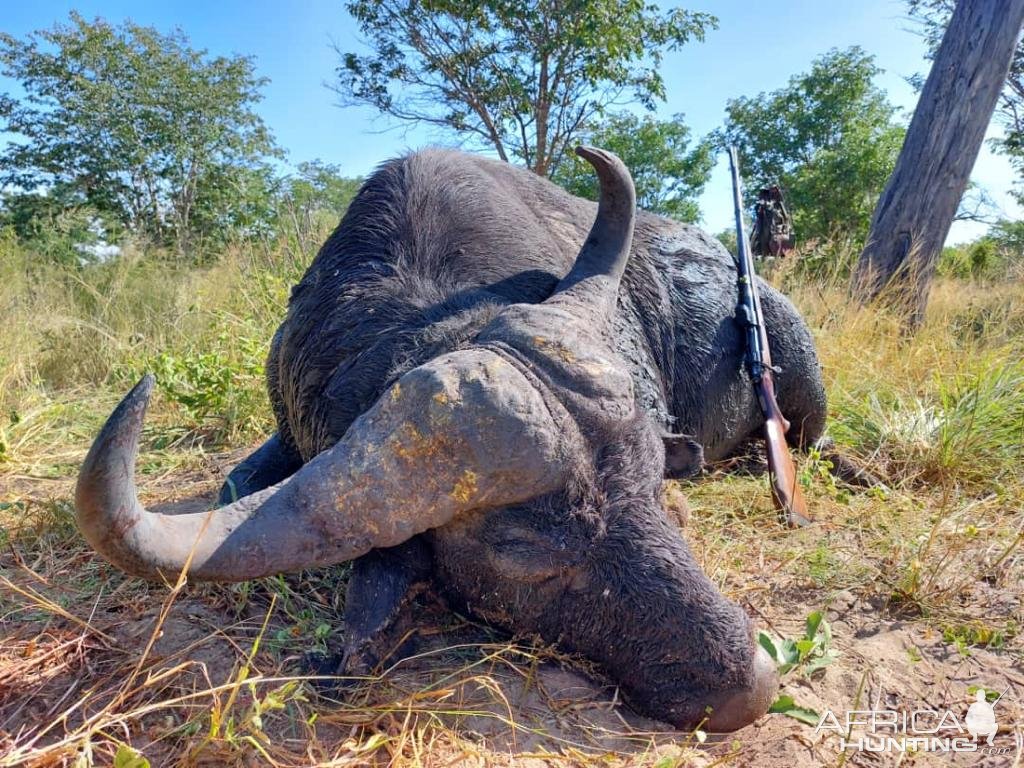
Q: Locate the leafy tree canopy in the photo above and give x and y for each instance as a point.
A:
(320, 186)
(520, 76)
(669, 173)
(133, 123)
(312, 202)
(829, 139)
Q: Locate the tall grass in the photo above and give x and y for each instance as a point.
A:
(945, 405)
(75, 337)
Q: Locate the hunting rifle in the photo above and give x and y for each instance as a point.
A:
(786, 492)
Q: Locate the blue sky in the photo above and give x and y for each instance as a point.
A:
(757, 47)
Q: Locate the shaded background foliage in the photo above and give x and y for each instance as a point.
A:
(830, 139)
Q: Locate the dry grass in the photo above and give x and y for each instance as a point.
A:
(93, 665)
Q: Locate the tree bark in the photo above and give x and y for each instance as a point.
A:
(914, 213)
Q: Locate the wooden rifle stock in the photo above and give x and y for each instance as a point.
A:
(786, 492)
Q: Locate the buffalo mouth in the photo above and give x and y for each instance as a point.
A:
(739, 707)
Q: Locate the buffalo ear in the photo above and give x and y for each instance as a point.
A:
(684, 456)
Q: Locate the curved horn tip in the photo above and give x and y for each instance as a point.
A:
(144, 387)
(597, 157)
(120, 432)
(137, 399)
(612, 172)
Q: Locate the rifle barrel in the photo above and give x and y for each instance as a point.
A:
(750, 306)
(742, 245)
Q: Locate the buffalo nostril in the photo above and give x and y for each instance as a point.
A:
(741, 707)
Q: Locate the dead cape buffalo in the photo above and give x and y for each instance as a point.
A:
(472, 390)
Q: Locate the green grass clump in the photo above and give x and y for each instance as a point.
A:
(79, 336)
(944, 406)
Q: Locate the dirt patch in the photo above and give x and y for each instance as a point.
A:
(510, 704)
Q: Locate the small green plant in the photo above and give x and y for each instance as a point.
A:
(126, 757)
(221, 388)
(199, 383)
(304, 633)
(966, 636)
(815, 469)
(786, 705)
(822, 564)
(908, 590)
(808, 654)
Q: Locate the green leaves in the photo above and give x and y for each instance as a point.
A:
(219, 390)
(321, 187)
(133, 123)
(127, 757)
(521, 76)
(808, 654)
(785, 705)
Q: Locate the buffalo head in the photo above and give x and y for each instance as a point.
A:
(525, 460)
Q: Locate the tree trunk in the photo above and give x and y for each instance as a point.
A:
(913, 216)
